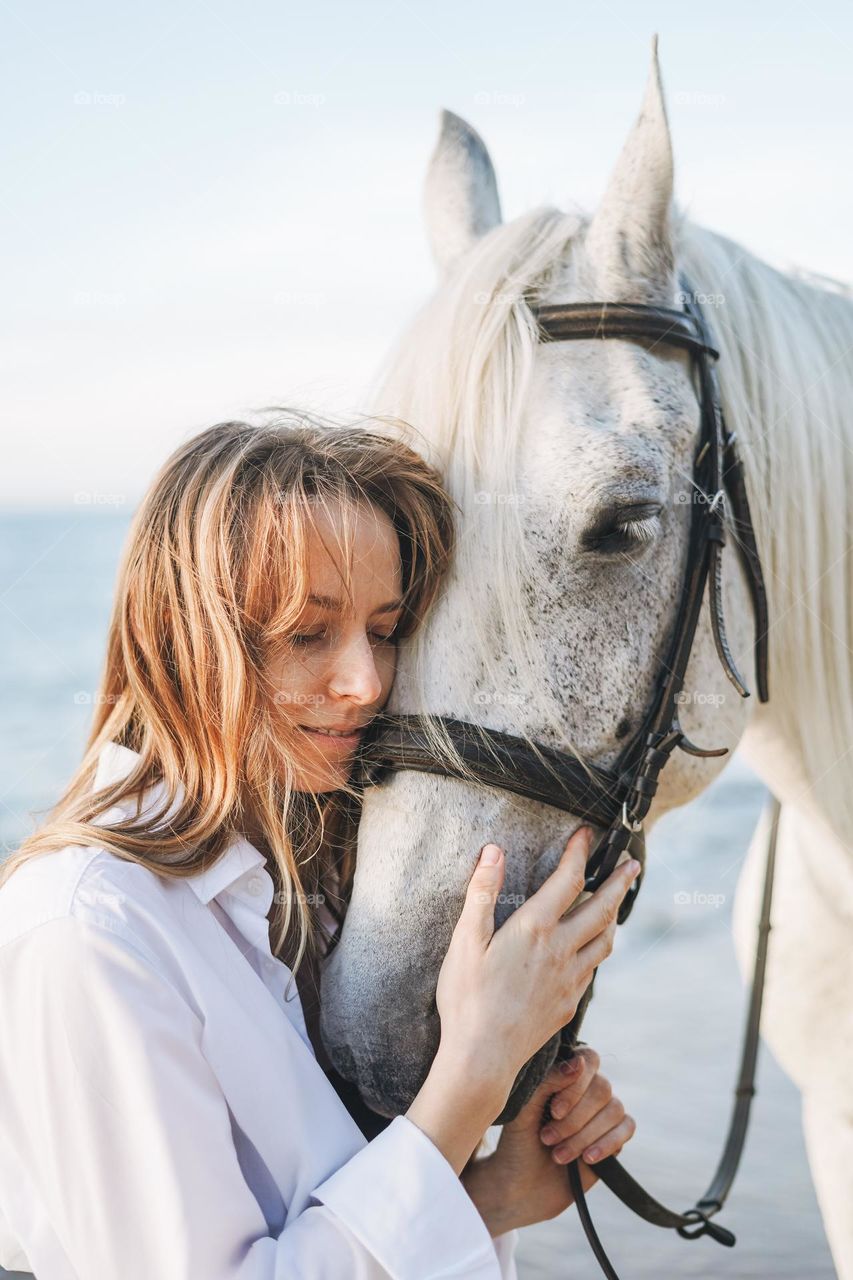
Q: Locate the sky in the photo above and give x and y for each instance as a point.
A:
(210, 206)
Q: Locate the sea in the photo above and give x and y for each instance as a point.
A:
(669, 1004)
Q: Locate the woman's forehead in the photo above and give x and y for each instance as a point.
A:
(352, 557)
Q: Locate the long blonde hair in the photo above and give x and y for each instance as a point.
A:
(213, 577)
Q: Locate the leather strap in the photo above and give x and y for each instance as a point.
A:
(495, 759)
(697, 1222)
(747, 547)
(579, 320)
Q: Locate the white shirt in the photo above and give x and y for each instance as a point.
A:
(162, 1113)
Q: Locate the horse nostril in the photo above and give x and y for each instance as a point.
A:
(622, 727)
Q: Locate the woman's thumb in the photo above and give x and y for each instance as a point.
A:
(483, 889)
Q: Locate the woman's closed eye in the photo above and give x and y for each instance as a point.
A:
(384, 637)
(303, 639)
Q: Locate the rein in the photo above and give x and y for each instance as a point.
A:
(696, 1222)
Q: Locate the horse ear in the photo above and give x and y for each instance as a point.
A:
(461, 192)
(629, 238)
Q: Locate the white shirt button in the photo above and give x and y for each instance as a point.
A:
(255, 886)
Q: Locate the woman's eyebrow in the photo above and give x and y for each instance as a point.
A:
(330, 602)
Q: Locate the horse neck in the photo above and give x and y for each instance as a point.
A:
(787, 384)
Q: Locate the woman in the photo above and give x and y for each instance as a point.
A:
(164, 1113)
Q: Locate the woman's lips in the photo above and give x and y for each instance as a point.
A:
(333, 740)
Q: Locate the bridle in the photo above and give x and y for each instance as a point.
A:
(618, 799)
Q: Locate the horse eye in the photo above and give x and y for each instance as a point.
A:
(626, 529)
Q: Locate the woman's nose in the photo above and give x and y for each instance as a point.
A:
(355, 675)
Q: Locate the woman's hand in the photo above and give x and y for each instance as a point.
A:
(525, 1180)
(504, 993)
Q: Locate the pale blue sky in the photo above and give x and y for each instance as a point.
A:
(210, 206)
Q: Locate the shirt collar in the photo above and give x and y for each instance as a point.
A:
(238, 858)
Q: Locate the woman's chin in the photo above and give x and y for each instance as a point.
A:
(318, 781)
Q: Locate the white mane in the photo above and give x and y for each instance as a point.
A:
(786, 376)
(460, 377)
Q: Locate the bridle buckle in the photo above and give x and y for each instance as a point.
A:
(634, 825)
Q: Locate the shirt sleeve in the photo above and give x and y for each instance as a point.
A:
(123, 1129)
(505, 1246)
(417, 1200)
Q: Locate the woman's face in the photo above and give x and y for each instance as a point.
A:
(335, 674)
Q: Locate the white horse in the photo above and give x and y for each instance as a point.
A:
(571, 463)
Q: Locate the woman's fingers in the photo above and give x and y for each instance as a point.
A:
(592, 1133)
(597, 951)
(572, 1090)
(478, 909)
(556, 894)
(611, 1143)
(599, 911)
(595, 1097)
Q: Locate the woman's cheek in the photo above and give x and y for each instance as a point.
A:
(387, 667)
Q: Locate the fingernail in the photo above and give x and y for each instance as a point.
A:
(633, 866)
(559, 1110)
(592, 1154)
(548, 1134)
(491, 855)
(570, 1067)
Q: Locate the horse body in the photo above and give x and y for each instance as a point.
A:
(786, 375)
(572, 465)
